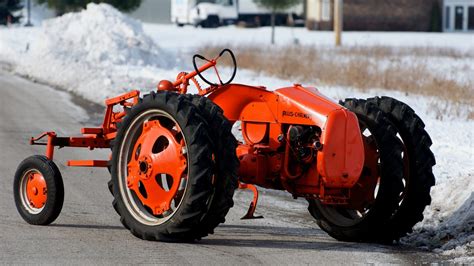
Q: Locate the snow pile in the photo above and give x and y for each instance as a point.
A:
(96, 53)
(448, 226)
(98, 35)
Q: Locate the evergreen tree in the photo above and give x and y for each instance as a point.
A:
(8, 9)
(64, 6)
(274, 6)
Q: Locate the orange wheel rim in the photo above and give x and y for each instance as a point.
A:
(156, 166)
(34, 191)
(152, 167)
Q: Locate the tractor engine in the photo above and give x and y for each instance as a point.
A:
(279, 168)
(296, 157)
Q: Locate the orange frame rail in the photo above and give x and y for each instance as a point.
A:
(93, 138)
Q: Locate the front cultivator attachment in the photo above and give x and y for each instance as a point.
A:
(364, 166)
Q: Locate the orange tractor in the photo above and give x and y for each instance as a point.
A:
(364, 166)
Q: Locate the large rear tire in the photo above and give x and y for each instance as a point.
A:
(379, 185)
(418, 163)
(162, 169)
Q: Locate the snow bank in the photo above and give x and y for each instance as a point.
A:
(95, 53)
(98, 35)
(448, 226)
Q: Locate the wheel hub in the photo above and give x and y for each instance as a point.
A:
(145, 167)
(36, 191)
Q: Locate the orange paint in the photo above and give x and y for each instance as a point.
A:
(36, 190)
(144, 168)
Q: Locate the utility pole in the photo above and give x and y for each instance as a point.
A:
(28, 8)
(338, 20)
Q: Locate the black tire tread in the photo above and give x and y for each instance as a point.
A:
(417, 141)
(224, 147)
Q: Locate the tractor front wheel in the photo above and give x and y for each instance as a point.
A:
(38, 190)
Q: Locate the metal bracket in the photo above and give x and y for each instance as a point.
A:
(253, 204)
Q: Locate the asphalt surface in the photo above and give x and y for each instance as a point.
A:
(88, 230)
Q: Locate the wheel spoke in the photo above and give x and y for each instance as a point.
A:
(218, 76)
(157, 199)
(152, 130)
(170, 161)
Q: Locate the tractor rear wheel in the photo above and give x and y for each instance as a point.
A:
(162, 169)
(418, 161)
(378, 188)
(38, 190)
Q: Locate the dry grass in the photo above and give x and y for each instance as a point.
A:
(401, 69)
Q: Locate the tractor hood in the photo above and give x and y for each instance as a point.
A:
(342, 153)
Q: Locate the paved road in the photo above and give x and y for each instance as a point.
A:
(88, 230)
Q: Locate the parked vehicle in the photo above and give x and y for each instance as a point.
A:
(214, 13)
(251, 14)
(205, 13)
(364, 165)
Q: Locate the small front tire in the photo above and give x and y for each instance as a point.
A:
(38, 190)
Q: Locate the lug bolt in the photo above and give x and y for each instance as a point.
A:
(281, 137)
(317, 145)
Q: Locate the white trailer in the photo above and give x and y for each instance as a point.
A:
(213, 13)
(205, 13)
(252, 14)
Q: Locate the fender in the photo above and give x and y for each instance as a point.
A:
(341, 159)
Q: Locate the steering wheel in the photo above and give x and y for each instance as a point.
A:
(215, 68)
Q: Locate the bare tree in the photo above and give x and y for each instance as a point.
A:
(274, 6)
